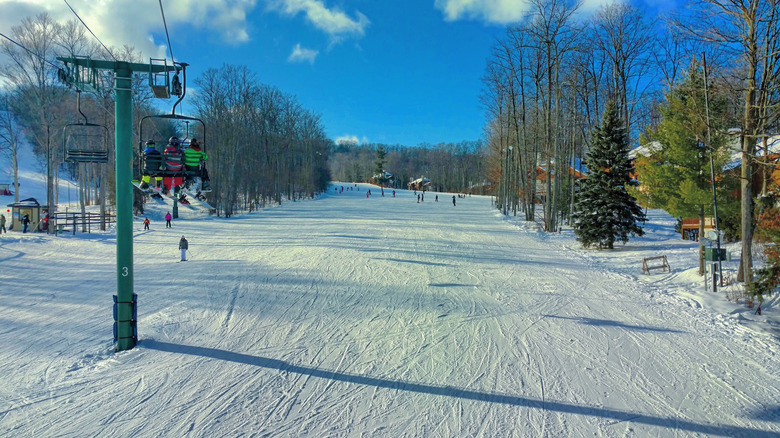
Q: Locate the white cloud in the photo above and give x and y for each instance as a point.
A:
(300, 54)
(335, 23)
(120, 22)
(499, 11)
(347, 140)
(492, 11)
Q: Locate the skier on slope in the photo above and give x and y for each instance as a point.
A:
(183, 246)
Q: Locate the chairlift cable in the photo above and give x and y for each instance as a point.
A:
(165, 24)
(90, 31)
(31, 52)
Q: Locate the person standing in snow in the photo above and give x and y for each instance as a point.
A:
(168, 218)
(453, 200)
(183, 246)
(2, 224)
(146, 223)
(25, 223)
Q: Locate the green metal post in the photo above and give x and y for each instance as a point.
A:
(175, 206)
(124, 209)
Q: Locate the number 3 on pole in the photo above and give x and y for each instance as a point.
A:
(125, 271)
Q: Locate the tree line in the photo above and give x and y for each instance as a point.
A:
(552, 75)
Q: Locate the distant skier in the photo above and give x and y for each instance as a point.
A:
(25, 223)
(422, 199)
(146, 223)
(393, 193)
(453, 200)
(168, 218)
(2, 224)
(418, 199)
(183, 246)
(436, 199)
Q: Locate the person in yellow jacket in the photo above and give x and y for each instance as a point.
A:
(193, 158)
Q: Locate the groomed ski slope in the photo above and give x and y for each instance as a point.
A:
(348, 316)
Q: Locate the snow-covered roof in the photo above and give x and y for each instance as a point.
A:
(772, 147)
(29, 202)
(646, 149)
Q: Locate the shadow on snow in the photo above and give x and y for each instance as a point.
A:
(450, 391)
(611, 323)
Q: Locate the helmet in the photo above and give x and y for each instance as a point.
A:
(194, 141)
(150, 143)
(173, 140)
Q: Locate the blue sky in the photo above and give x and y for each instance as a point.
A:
(396, 72)
(411, 78)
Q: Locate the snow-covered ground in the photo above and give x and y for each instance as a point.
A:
(380, 316)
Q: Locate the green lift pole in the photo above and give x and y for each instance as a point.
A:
(125, 301)
(126, 333)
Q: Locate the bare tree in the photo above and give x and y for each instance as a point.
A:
(9, 139)
(30, 73)
(624, 34)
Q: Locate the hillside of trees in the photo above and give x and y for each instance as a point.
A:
(450, 167)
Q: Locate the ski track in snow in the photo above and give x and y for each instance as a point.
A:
(347, 316)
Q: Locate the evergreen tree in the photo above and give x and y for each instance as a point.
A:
(379, 170)
(606, 212)
(676, 174)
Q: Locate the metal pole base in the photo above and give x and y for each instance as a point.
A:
(125, 323)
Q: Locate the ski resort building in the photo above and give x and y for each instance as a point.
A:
(421, 183)
(29, 207)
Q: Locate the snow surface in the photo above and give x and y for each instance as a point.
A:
(348, 316)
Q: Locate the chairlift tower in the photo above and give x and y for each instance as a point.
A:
(81, 68)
